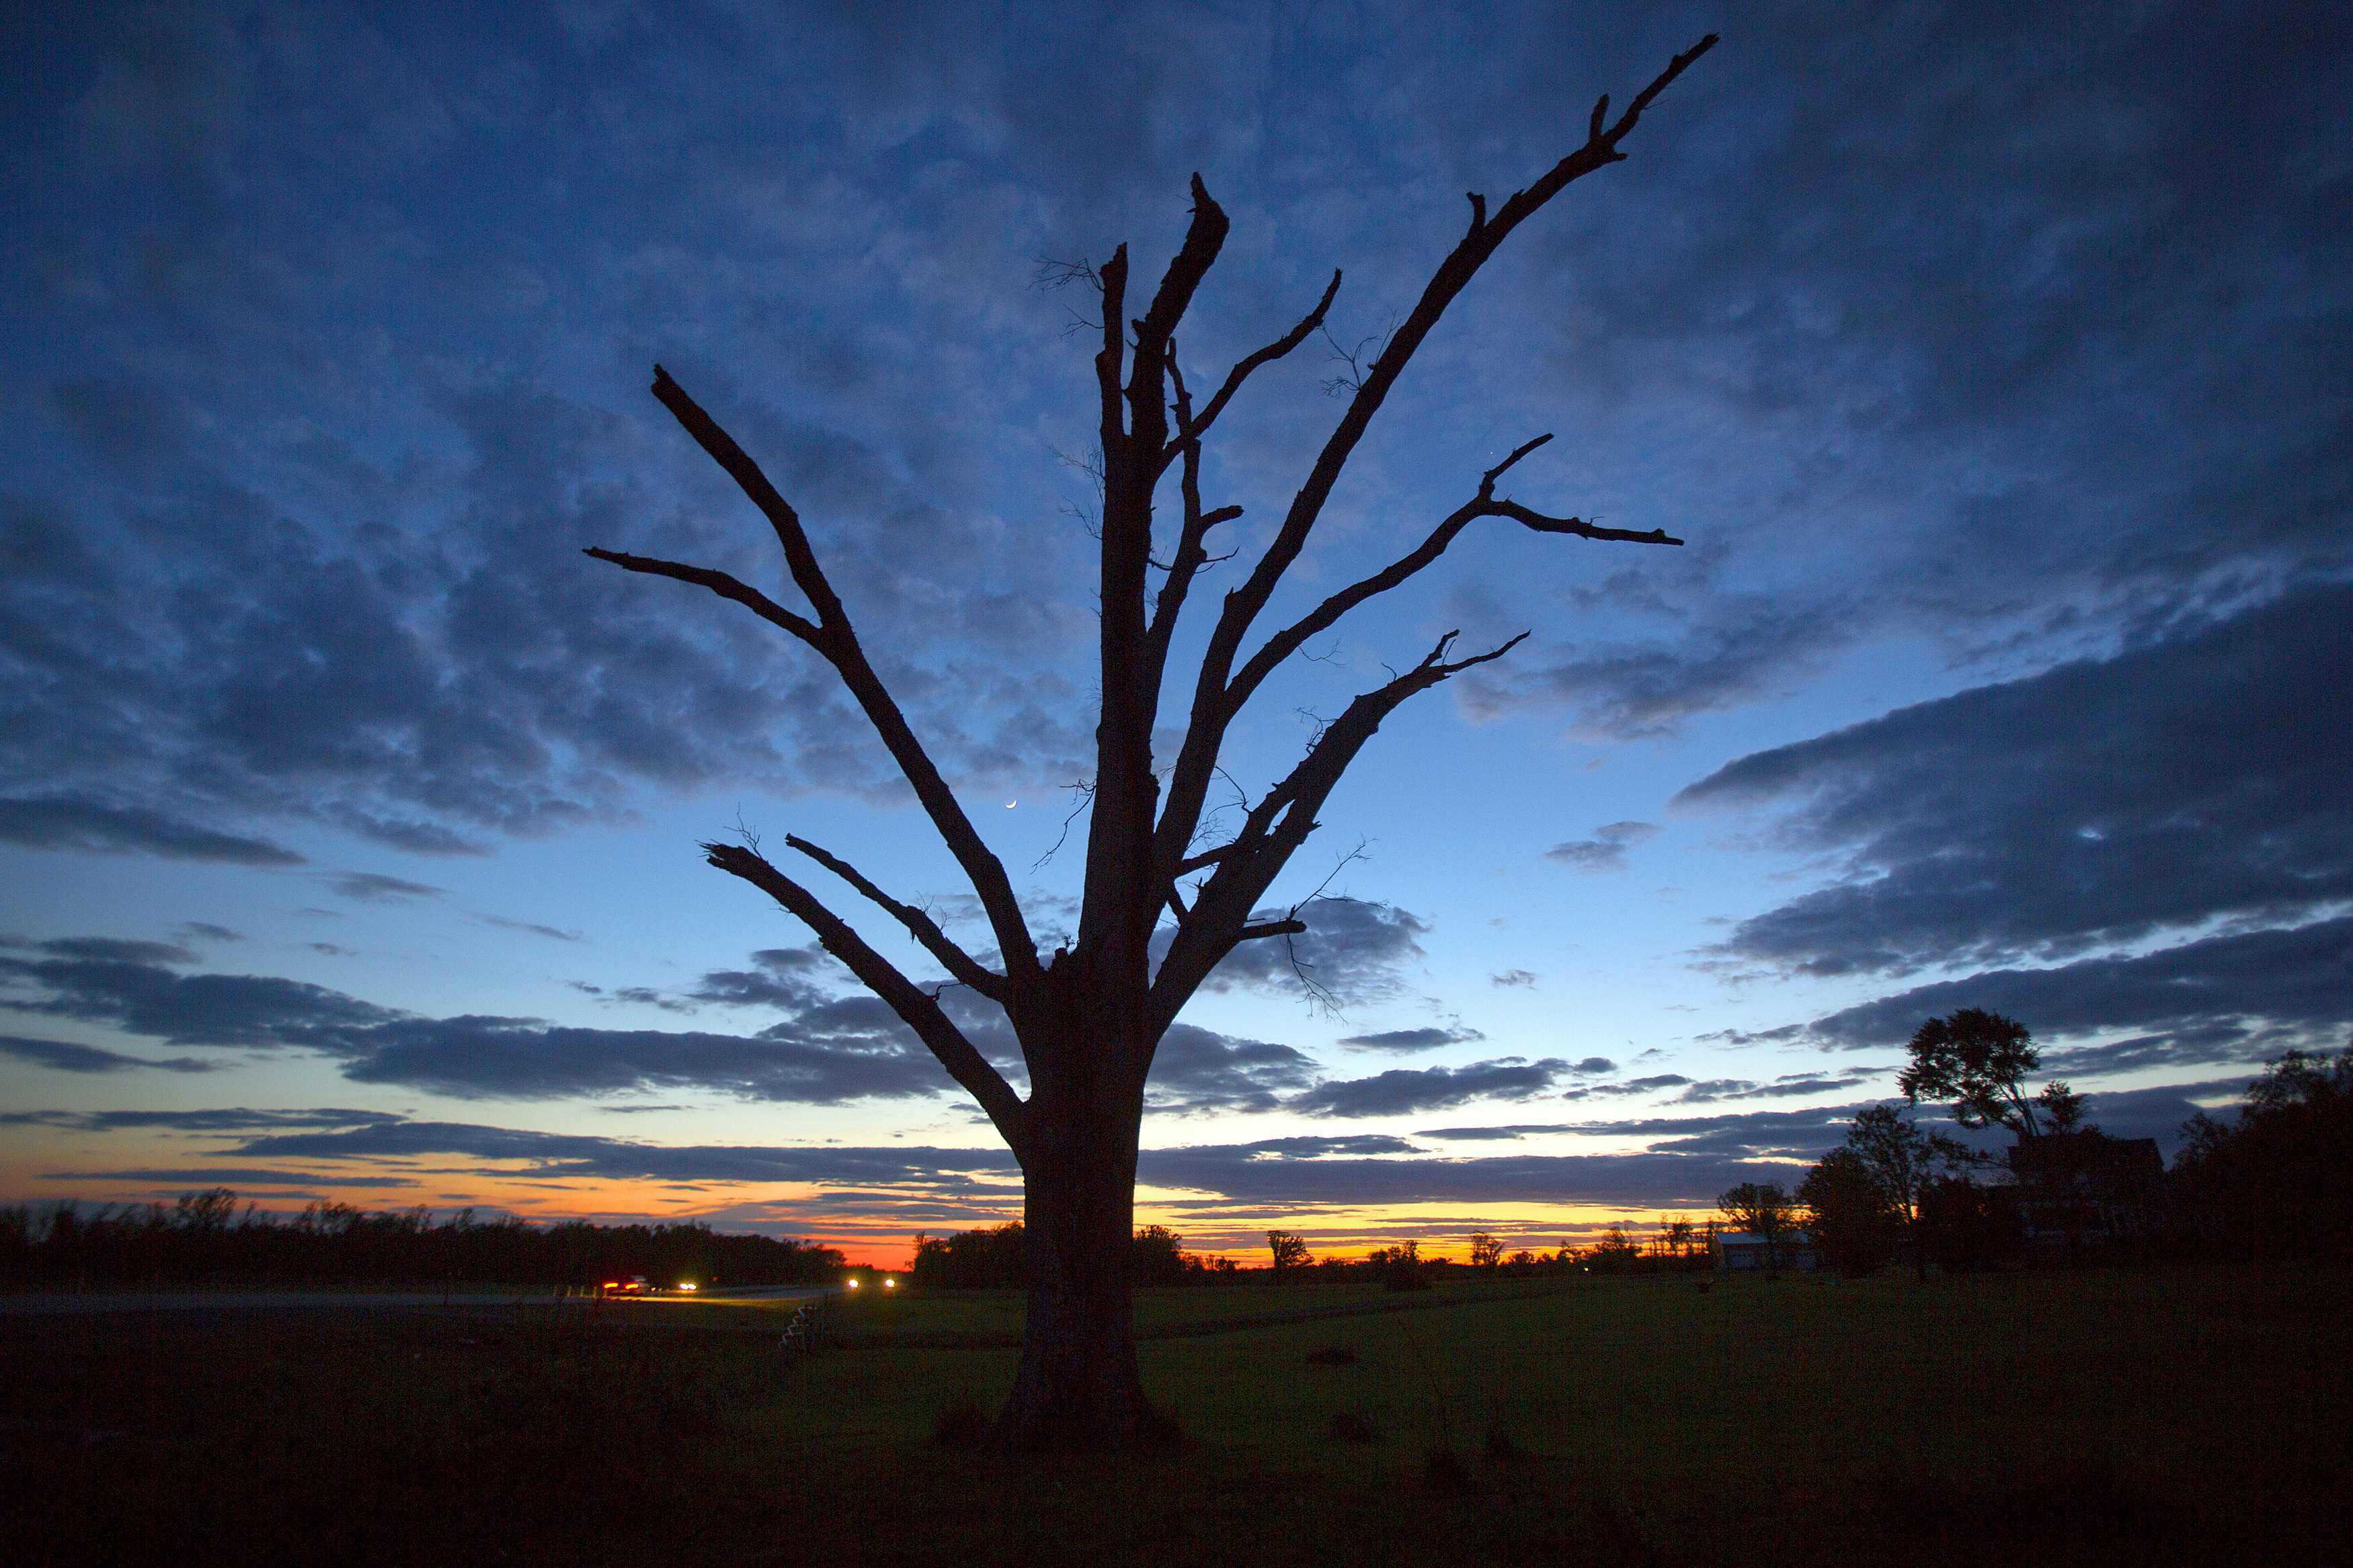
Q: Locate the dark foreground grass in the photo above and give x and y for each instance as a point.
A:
(2140, 1417)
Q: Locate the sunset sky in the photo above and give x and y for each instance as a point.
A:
(1993, 361)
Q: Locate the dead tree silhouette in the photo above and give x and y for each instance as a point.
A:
(1089, 1017)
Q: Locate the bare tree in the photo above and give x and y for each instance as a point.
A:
(1089, 1017)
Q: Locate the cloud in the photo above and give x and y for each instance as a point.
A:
(1508, 1132)
(1787, 1087)
(829, 1051)
(62, 822)
(227, 1120)
(2196, 777)
(61, 1056)
(784, 978)
(2221, 999)
(232, 1010)
(1353, 951)
(1636, 693)
(374, 887)
(231, 1175)
(1198, 1069)
(587, 1155)
(204, 930)
(1409, 1040)
(1647, 1085)
(1401, 1090)
(552, 932)
(1512, 977)
(1606, 850)
(528, 1058)
(111, 950)
(1241, 1173)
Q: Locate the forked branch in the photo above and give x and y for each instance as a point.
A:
(1289, 640)
(1212, 709)
(967, 969)
(834, 637)
(1279, 822)
(916, 1007)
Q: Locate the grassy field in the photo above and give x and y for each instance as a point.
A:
(2129, 1416)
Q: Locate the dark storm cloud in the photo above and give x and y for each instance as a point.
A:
(2203, 776)
(1606, 850)
(1403, 1089)
(55, 823)
(1428, 1037)
(62, 1055)
(2224, 998)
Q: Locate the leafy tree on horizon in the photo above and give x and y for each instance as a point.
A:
(1090, 1016)
(1979, 1061)
(1764, 1210)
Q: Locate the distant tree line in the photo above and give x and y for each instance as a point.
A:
(2275, 1181)
(206, 1239)
(992, 1259)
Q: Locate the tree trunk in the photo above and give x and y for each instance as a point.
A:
(1077, 1385)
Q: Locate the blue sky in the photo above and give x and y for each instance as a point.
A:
(1991, 363)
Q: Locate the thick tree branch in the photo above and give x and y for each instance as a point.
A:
(916, 1007)
(1112, 279)
(1119, 835)
(920, 925)
(1279, 822)
(1210, 712)
(834, 637)
(1288, 641)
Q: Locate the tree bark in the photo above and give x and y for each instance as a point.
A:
(1078, 1384)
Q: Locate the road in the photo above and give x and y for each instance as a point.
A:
(59, 1304)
